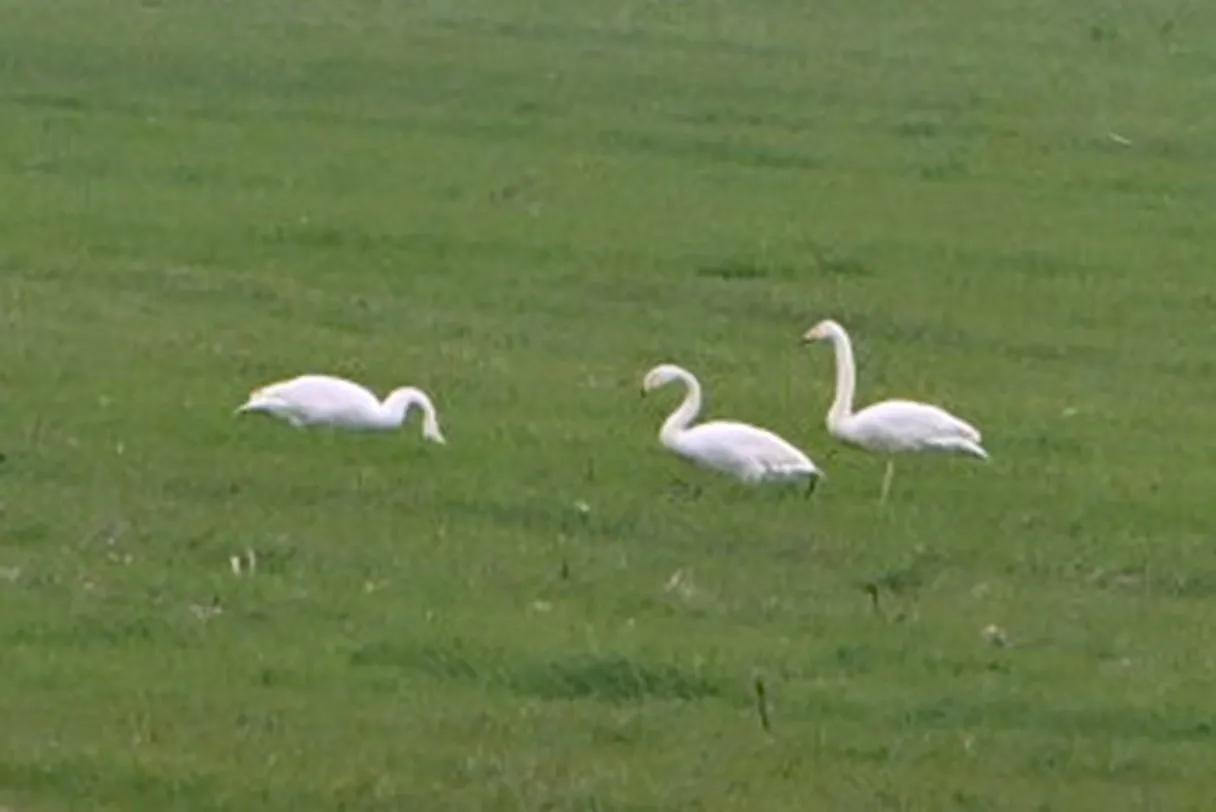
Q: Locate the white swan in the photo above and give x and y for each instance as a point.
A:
(892, 426)
(323, 400)
(745, 452)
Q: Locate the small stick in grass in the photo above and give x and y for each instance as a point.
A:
(871, 589)
(761, 702)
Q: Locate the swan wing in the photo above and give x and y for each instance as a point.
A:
(748, 452)
(904, 425)
(318, 398)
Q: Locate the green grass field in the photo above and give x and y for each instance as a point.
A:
(521, 206)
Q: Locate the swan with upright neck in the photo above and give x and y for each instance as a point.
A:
(324, 400)
(892, 426)
(746, 452)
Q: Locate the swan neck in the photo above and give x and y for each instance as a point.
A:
(430, 421)
(846, 379)
(397, 405)
(391, 413)
(688, 410)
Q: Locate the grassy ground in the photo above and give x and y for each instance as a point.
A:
(521, 206)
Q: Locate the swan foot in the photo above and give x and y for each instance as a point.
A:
(684, 491)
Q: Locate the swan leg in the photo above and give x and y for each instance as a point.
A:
(886, 481)
(690, 491)
(811, 482)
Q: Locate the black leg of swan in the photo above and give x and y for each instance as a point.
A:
(811, 482)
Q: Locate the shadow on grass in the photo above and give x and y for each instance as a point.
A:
(601, 677)
(609, 678)
(821, 261)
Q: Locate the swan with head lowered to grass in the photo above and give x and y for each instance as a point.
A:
(892, 426)
(746, 452)
(323, 400)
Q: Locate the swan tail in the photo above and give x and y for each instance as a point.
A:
(972, 434)
(974, 449)
(958, 445)
(254, 404)
(258, 402)
(792, 471)
(965, 430)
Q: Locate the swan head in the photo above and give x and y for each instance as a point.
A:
(825, 330)
(402, 400)
(661, 375)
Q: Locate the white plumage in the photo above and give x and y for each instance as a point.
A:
(746, 452)
(323, 400)
(892, 426)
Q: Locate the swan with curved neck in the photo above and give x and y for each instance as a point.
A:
(748, 453)
(324, 400)
(892, 426)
